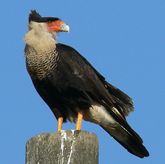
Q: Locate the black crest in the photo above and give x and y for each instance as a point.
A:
(36, 17)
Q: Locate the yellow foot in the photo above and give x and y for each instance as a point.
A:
(79, 121)
(60, 121)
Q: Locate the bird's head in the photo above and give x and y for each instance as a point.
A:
(49, 24)
(42, 30)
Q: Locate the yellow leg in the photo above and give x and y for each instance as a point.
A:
(60, 121)
(79, 121)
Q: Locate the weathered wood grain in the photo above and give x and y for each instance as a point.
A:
(65, 147)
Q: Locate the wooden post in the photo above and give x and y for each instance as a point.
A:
(65, 147)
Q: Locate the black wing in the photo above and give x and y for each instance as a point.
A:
(123, 101)
(94, 81)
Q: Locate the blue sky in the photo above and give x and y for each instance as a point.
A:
(124, 40)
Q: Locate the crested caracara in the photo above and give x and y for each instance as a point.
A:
(73, 88)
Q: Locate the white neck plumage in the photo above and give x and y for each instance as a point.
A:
(39, 38)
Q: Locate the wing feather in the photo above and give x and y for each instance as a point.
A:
(95, 85)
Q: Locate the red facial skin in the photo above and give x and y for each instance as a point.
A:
(55, 26)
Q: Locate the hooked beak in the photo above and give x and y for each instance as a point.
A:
(57, 26)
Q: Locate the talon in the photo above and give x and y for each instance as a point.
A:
(60, 122)
(79, 121)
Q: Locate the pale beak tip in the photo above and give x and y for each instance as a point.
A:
(65, 28)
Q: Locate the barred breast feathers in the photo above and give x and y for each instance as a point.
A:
(40, 65)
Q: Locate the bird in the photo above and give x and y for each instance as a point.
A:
(72, 88)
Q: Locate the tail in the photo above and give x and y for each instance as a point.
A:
(129, 139)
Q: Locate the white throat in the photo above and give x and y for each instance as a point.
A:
(39, 38)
